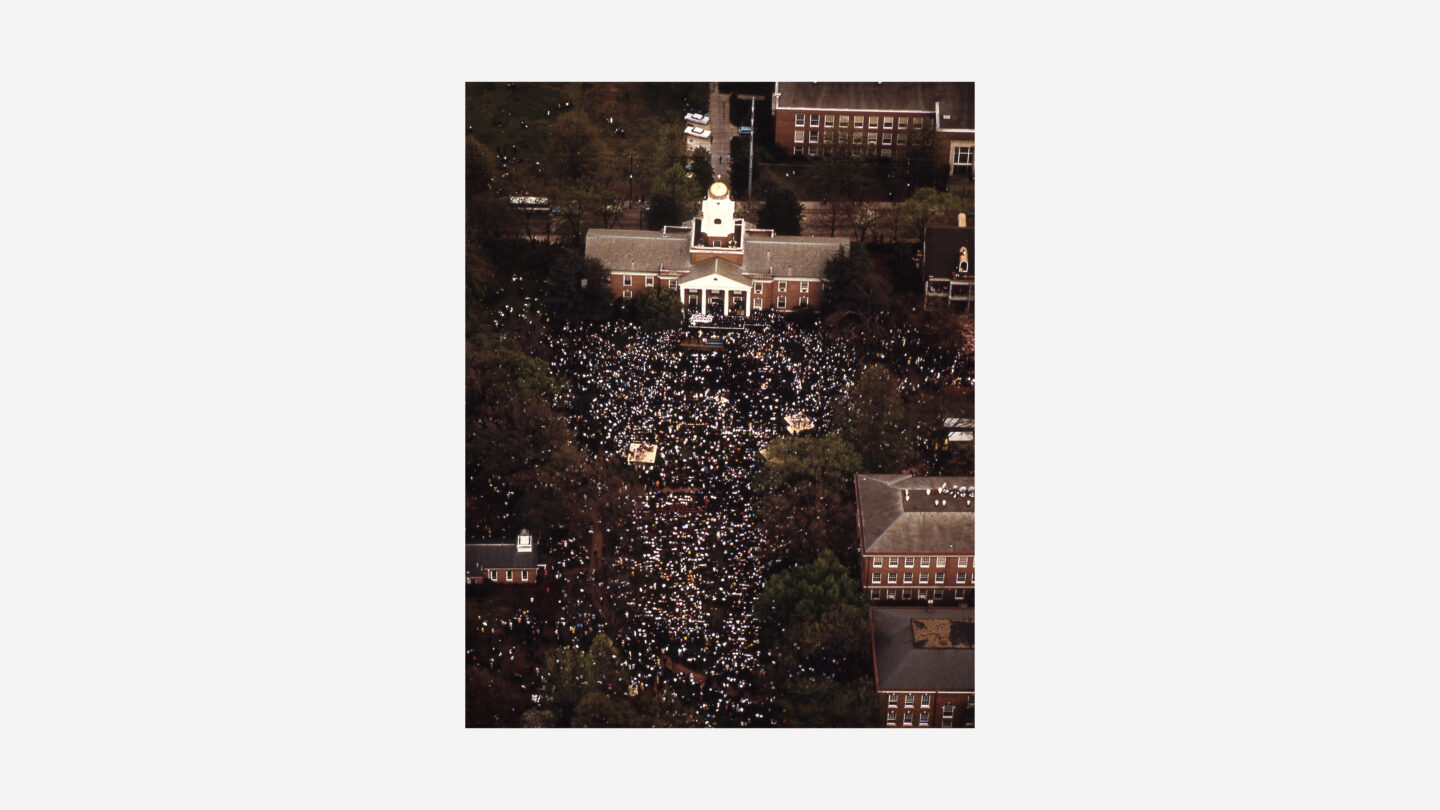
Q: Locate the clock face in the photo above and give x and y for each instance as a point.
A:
(718, 189)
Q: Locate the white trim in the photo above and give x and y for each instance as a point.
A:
(838, 110)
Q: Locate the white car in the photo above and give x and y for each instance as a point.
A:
(697, 118)
(703, 134)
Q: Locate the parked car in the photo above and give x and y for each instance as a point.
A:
(744, 130)
(697, 118)
(703, 134)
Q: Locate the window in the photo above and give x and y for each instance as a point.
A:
(884, 152)
(524, 576)
(924, 562)
(939, 579)
(814, 119)
(891, 577)
(875, 561)
(649, 281)
(889, 122)
(780, 302)
(672, 284)
(904, 594)
(780, 286)
(814, 136)
(804, 302)
(948, 711)
(962, 561)
(924, 718)
(874, 121)
(829, 120)
(800, 119)
(972, 577)
(962, 155)
(908, 717)
(875, 578)
(829, 136)
(804, 286)
(627, 294)
(922, 123)
(844, 120)
(900, 137)
(812, 151)
(890, 718)
(901, 123)
(925, 578)
(924, 701)
(509, 576)
(890, 593)
(922, 594)
(799, 136)
(494, 575)
(969, 701)
(799, 150)
(871, 138)
(909, 578)
(894, 561)
(909, 562)
(625, 281)
(909, 701)
(893, 700)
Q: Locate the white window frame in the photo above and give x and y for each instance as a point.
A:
(509, 576)
(673, 283)
(875, 578)
(889, 593)
(909, 562)
(924, 562)
(845, 121)
(889, 122)
(899, 139)
(830, 120)
(872, 138)
(780, 286)
(939, 578)
(960, 151)
(799, 136)
(780, 302)
(524, 576)
(909, 716)
(884, 151)
(649, 281)
(909, 578)
(890, 718)
(873, 122)
(894, 562)
(799, 120)
(891, 578)
(924, 717)
(892, 699)
(962, 561)
(875, 562)
(814, 136)
(909, 700)
(924, 701)
(924, 577)
(494, 575)
(627, 295)
(948, 711)
(626, 281)
(902, 121)
(814, 119)
(804, 286)
(905, 594)
(804, 301)
(799, 150)
(812, 150)
(922, 594)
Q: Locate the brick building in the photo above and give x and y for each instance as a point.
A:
(878, 119)
(717, 263)
(515, 563)
(925, 665)
(917, 538)
(948, 265)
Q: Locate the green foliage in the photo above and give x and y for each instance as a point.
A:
(569, 676)
(574, 148)
(657, 309)
(796, 458)
(532, 375)
(812, 702)
(701, 168)
(805, 518)
(926, 207)
(599, 710)
(577, 288)
(873, 417)
(782, 211)
(673, 198)
(538, 718)
(805, 593)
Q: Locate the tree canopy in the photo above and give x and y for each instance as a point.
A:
(782, 211)
(658, 308)
(789, 459)
(873, 417)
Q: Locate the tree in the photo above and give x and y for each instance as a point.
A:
(872, 416)
(574, 147)
(805, 593)
(811, 702)
(700, 166)
(925, 207)
(808, 517)
(841, 180)
(657, 309)
(673, 198)
(789, 459)
(599, 710)
(577, 288)
(782, 211)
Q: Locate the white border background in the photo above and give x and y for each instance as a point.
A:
(232, 326)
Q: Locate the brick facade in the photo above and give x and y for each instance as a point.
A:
(958, 572)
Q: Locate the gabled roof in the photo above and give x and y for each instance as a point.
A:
(957, 99)
(716, 267)
(792, 255)
(940, 521)
(618, 249)
(923, 649)
(480, 556)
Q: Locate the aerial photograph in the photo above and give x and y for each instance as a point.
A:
(720, 404)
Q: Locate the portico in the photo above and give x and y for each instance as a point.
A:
(713, 280)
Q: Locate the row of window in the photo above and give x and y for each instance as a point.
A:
(947, 712)
(626, 281)
(855, 151)
(940, 562)
(874, 121)
(781, 286)
(780, 300)
(924, 578)
(869, 138)
(924, 593)
(510, 576)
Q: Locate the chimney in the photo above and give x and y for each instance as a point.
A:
(961, 218)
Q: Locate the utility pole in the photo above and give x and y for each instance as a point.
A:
(750, 177)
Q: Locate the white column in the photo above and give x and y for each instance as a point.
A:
(725, 301)
(747, 301)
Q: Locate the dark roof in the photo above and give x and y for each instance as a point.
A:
(480, 556)
(940, 522)
(646, 250)
(957, 99)
(626, 251)
(924, 649)
(792, 255)
(942, 249)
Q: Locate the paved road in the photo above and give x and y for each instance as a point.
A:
(721, 132)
